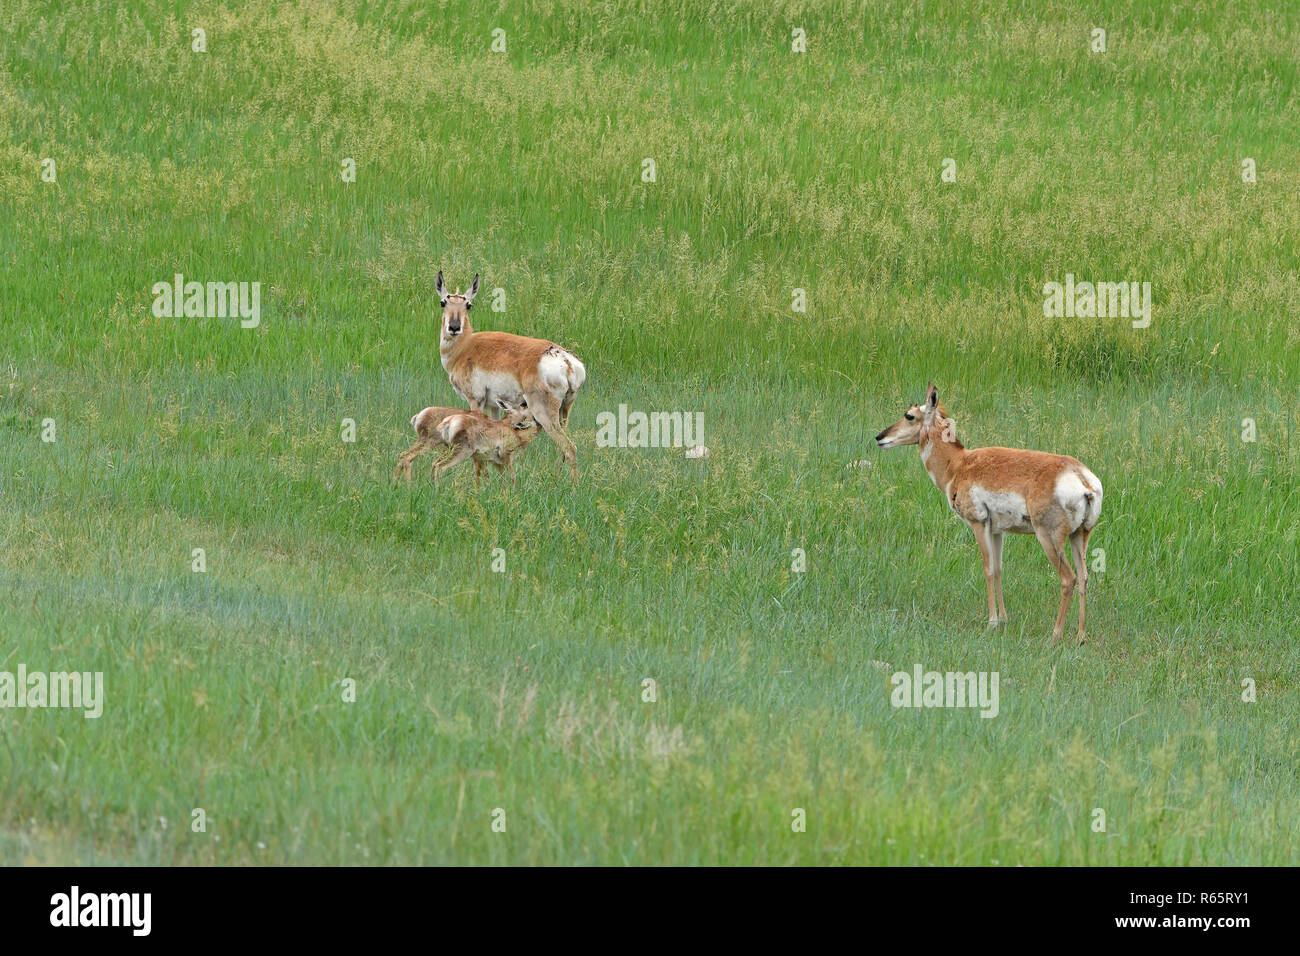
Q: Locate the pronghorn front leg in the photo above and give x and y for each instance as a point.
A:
(1053, 542)
(982, 537)
(441, 465)
(995, 546)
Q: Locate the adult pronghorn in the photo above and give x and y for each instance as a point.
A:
(487, 367)
(1000, 490)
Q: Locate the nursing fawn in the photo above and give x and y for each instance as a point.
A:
(486, 440)
(1001, 490)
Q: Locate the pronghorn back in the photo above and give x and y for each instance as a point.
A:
(993, 481)
(498, 365)
(426, 421)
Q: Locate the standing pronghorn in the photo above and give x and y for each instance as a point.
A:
(996, 490)
(488, 366)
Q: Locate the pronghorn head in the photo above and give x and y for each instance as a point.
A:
(455, 308)
(518, 417)
(908, 429)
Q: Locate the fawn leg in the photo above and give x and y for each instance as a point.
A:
(440, 467)
(409, 456)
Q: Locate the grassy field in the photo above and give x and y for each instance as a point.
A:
(522, 689)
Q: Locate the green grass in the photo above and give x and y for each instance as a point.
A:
(522, 690)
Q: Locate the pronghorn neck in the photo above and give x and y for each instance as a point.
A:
(939, 455)
(451, 348)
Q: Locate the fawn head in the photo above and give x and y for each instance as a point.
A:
(519, 419)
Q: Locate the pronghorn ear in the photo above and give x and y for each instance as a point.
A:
(441, 289)
(473, 291)
(503, 405)
(932, 398)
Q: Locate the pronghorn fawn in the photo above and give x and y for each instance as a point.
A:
(1001, 490)
(469, 434)
(485, 367)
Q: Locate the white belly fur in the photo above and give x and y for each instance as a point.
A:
(1001, 510)
(559, 372)
(487, 386)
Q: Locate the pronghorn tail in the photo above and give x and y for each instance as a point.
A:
(1092, 494)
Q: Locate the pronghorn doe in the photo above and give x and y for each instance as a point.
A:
(469, 434)
(488, 366)
(1000, 490)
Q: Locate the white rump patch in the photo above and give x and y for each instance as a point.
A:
(560, 372)
(450, 427)
(1078, 492)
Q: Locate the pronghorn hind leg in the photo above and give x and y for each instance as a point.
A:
(983, 539)
(1053, 542)
(408, 457)
(995, 542)
(1079, 545)
(546, 410)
